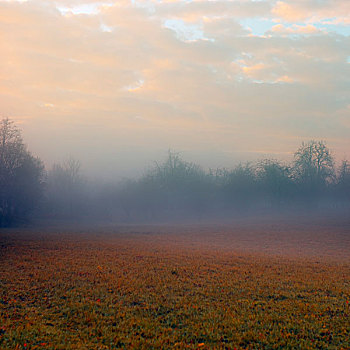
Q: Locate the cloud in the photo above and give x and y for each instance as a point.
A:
(285, 79)
(313, 11)
(79, 88)
(195, 10)
(288, 12)
(294, 29)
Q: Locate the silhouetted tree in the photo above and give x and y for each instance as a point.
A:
(313, 171)
(169, 189)
(342, 186)
(239, 186)
(275, 182)
(21, 176)
(181, 185)
(314, 164)
(65, 189)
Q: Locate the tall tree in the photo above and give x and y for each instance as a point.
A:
(65, 189)
(343, 182)
(21, 176)
(275, 181)
(172, 187)
(239, 186)
(314, 164)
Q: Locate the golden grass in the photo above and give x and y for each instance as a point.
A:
(149, 288)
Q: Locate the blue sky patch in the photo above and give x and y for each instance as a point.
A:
(258, 26)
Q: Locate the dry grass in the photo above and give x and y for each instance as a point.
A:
(245, 287)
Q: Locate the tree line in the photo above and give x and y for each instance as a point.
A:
(171, 189)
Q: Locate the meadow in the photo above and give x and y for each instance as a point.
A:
(244, 285)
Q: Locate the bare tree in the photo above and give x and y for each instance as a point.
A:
(275, 181)
(21, 176)
(343, 183)
(239, 186)
(65, 189)
(314, 163)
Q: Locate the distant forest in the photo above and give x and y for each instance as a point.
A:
(173, 189)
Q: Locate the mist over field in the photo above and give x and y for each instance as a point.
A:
(171, 190)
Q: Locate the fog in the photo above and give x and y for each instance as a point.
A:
(105, 156)
(171, 189)
(174, 190)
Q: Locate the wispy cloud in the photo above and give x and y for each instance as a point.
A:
(217, 75)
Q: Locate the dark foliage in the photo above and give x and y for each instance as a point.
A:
(21, 176)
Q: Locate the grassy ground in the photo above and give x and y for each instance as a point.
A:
(243, 287)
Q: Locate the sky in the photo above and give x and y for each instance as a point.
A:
(116, 84)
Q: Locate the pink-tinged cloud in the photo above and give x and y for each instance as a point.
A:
(139, 88)
(288, 12)
(312, 11)
(294, 29)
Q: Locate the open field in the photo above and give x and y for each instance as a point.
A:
(266, 285)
